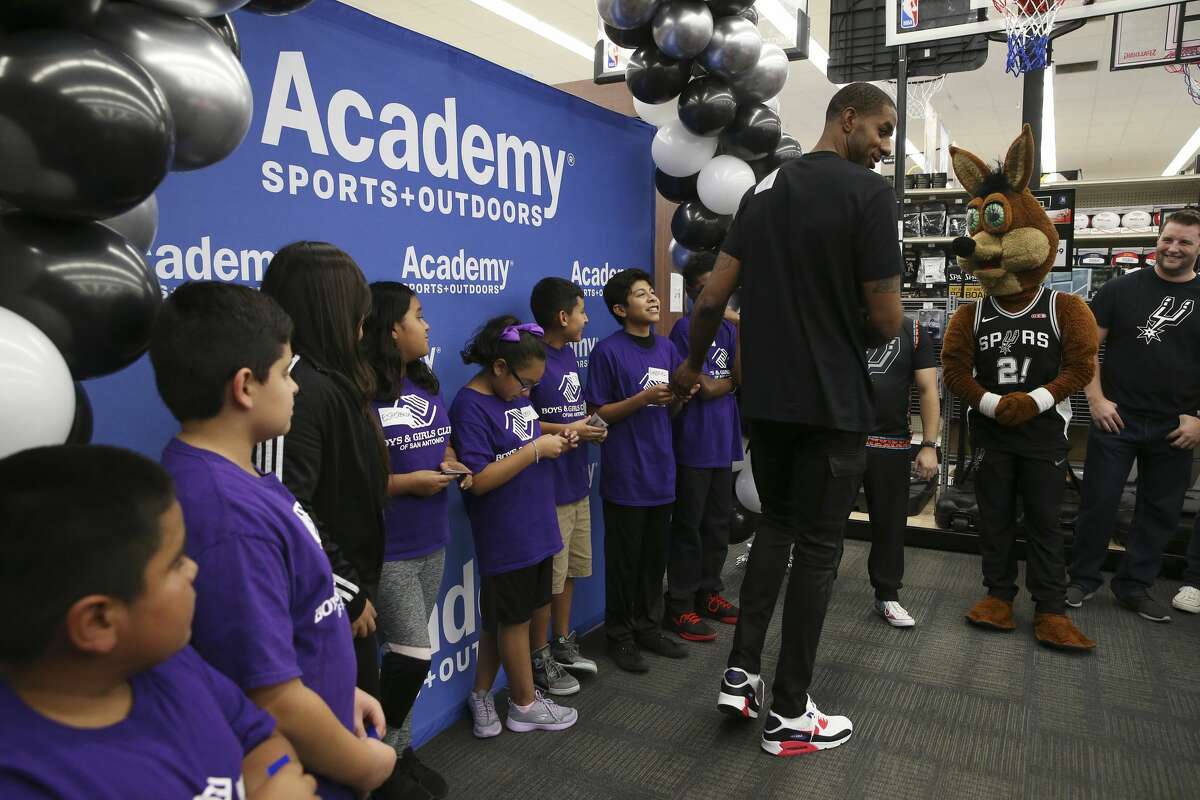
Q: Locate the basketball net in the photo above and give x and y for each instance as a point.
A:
(1191, 78)
(919, 95)
(1027, 24)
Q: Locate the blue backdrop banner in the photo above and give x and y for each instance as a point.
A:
(429, 166)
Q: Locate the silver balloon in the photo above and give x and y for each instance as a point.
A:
(627, 14)
(195, 8)
(734, 48)
(682, 28)
(765, 79)
(138, 225)
(206, 88)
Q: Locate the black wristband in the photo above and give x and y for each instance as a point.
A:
(928, 443)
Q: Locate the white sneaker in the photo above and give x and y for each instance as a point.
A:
(1188, 599)
(805, 734)
(894, 613)
(485, 722)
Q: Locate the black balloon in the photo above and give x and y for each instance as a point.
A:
(707, 106)
(753, 134)
(85, 133)
(750, 13)
(677, 190)
(745, 522)
(697, 228)
(223, 26)
(275, 8)
(724, 8)
(20, 15)
(83, 285)
(81, 427)
(631, 39)
(654, 78)
(787, 149)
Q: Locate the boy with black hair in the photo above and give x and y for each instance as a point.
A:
(100, 696)
(708, 439)
(557, 305)
(628, 387)
(268, 615)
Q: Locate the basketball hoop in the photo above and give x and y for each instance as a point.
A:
(920, 94)
(1190, 79)
(1027, 25)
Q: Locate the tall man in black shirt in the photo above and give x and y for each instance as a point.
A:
(813, 249)
(894, 367)
(1144, 401)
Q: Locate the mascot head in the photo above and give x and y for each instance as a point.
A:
(1011, 243)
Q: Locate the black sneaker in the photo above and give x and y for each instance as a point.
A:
(627, 656)
(663, 645)
(1077, 595)
(690, 627)
(741, 694)
(430, 780)
(1145, 607)
(715, 606)
(400, 786)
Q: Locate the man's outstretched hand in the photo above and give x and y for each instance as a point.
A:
(685, 382)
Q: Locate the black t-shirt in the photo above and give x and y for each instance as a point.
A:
(892, 367)
(807, 236)
(1019, 352)
(1152, 351)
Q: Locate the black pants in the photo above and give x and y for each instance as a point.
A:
(699, 535)
(807, 479)
(635, 558)
(1162, 480)
(886, 485)
(1191, 575)
(1004, 480)
(366, 653)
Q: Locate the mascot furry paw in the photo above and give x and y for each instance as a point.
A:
(1016, 357)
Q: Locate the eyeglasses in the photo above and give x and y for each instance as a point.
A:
(526, 386)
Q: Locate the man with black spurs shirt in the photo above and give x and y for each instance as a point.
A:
(894, 367)
(1145, 404)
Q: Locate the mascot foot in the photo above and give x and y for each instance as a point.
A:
(992, 612)
(1057, 631)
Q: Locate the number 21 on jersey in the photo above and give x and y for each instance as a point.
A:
(1008, 372)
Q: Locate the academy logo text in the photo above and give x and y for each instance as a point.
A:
(398, 145)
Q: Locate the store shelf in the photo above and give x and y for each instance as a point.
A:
(929, 239)
(1115, 237)
(1160, 182)
(948, 191)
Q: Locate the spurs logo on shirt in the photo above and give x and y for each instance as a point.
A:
(1163, 317)
(521, 421)
(569, 386)
(411, 411)
(223, 789)
(299, 511)
(880, 359)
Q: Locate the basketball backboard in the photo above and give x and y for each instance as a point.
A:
(914, 21)
(1152, 36)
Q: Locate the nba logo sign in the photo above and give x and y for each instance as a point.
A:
(910, 15)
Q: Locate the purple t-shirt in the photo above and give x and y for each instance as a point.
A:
(637, 462)
(559, 399)
(267, 609)
(514, 525)
(417, 430)
(185, 737)
(708, 433)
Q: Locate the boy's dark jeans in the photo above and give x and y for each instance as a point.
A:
(635, 558)
(699, 535)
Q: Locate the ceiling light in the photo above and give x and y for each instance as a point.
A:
(1187, 151)
(1049, 145)
(916, 155)
(531, 23)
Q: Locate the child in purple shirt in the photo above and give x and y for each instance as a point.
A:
(268, 614)
(557, 305)
(708, 439)
(628, 378)
(416, 428)
(100, 696)
(511, 507)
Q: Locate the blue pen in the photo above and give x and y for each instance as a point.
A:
(283, 761)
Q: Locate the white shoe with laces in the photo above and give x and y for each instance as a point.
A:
(894, 613)
(1188, 599)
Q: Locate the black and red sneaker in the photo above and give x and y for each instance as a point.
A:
(715, 606)
(741, 694)
(804, 734)
(690, 627)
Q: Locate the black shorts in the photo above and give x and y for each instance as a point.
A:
(510, 598)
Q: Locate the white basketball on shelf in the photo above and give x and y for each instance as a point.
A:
(1106, 220)
(1135, 219)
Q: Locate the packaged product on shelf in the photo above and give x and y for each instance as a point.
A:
(1091, 257)
(1127, 259)
(933, 218)
(1137, 219)
(932, 266)
(1149, 257)
(1106, 219)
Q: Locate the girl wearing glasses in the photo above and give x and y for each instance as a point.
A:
(510, 503)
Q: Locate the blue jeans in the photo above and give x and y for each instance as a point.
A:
(1163, 476)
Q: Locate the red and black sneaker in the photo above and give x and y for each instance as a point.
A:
(690, 627)
(715, 606)
(741, 694)
(804, 734)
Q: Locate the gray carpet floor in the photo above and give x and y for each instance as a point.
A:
(941, 710)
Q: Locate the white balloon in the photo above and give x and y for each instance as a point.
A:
(722, 183)
(679, 152)
(747, 492)
(37, 397)
(658, 114)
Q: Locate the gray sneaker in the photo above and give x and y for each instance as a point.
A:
(1076, 595)
(1145, 607)
(565, 650)
(485, 721)
(550, 677)
(543, 715)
